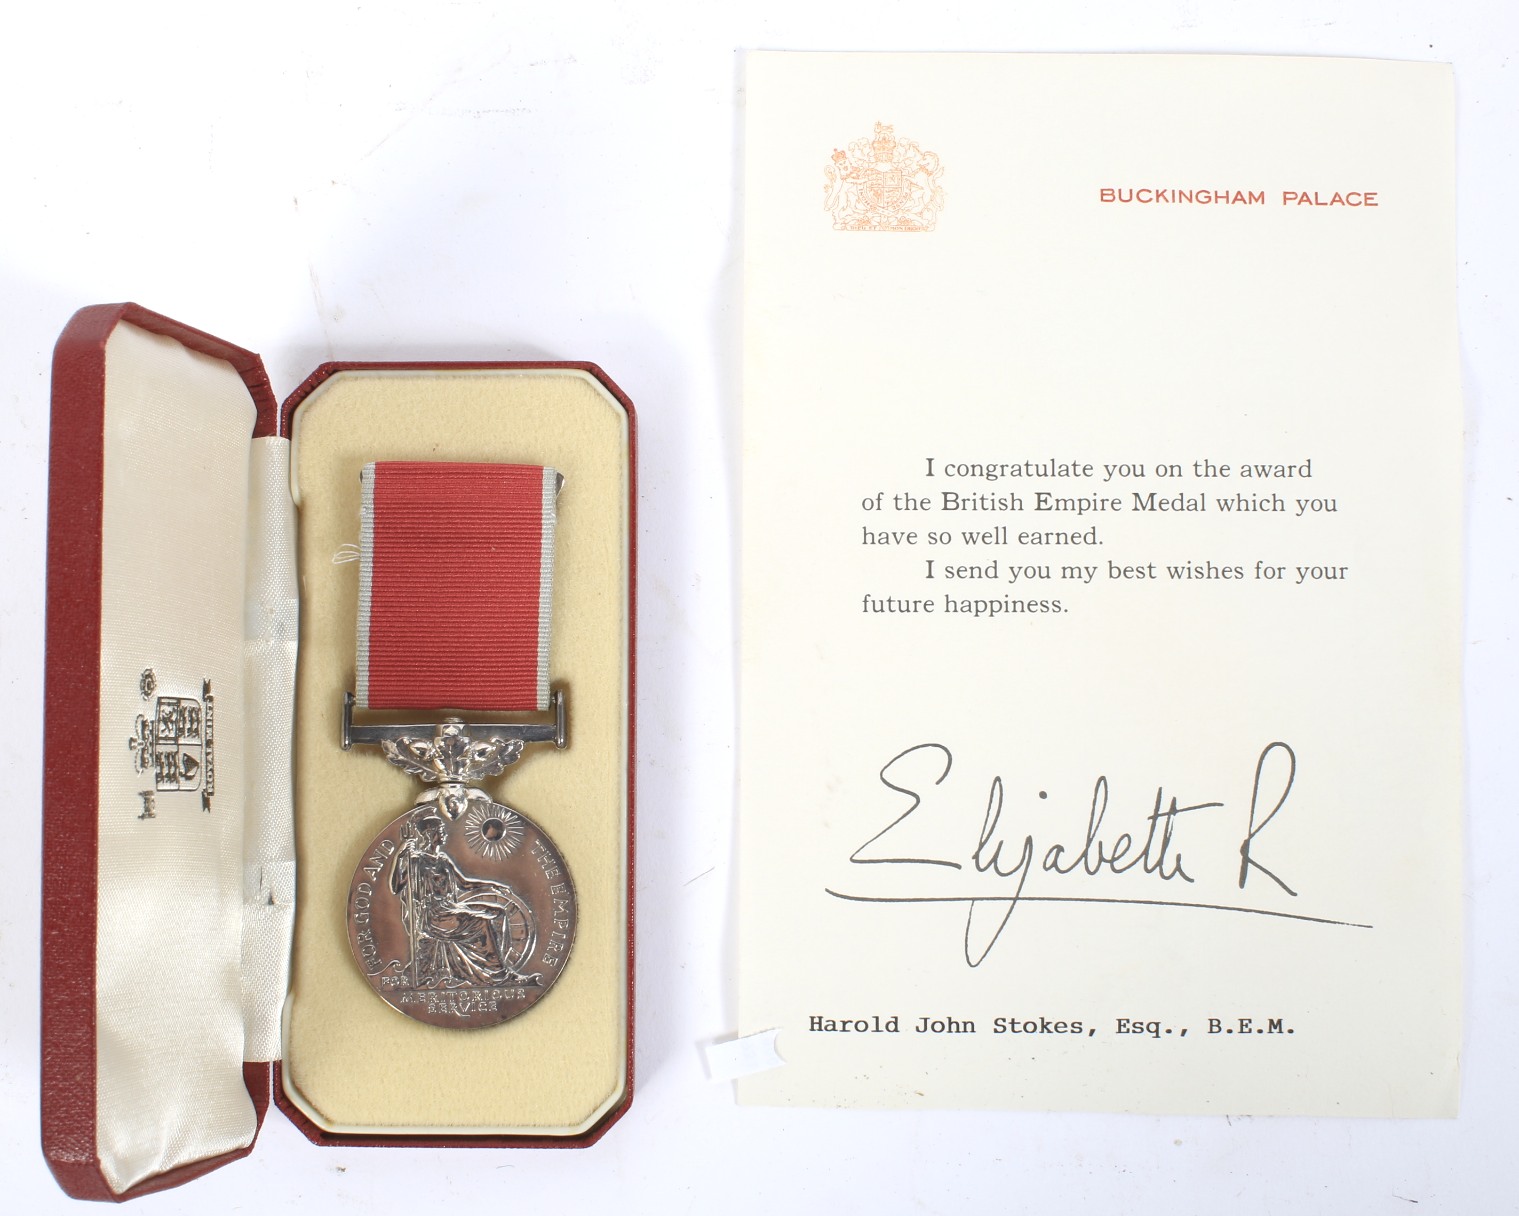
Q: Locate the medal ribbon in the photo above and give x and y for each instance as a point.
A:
(456, 571)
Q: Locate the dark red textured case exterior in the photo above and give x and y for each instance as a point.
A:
(70, 791)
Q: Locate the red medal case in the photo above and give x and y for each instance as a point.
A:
(201, 821)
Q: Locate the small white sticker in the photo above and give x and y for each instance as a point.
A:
(734, 1058)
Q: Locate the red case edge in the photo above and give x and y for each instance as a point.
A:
(71, 725)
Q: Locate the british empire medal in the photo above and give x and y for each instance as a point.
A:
(461, 912)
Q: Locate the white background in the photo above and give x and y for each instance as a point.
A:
(499, 181)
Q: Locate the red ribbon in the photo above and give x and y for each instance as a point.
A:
(456, 569)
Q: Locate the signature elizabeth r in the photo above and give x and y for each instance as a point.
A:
(924, 835)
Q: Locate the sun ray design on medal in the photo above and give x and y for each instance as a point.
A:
(493, 831)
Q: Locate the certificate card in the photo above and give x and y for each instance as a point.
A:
(1101, 740)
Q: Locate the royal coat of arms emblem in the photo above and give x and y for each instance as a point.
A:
(175, 743)
(883, 184)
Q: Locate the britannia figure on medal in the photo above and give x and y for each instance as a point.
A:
(463, 930)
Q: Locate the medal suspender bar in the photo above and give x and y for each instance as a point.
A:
(198, 762)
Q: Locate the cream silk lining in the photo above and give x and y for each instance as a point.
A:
(172, 965)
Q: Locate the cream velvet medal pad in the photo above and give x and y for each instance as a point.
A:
(548, 1073)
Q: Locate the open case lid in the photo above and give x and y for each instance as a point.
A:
(144, 1084)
